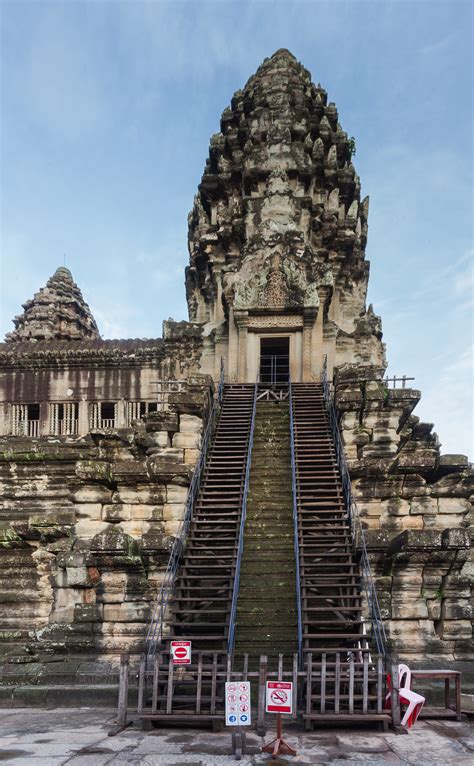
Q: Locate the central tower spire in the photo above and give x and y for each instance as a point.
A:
(277, 233)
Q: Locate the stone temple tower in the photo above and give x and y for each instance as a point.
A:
(277, 235)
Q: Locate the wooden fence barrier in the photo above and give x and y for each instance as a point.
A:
(333, 687)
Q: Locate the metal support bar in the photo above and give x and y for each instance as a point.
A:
(358, 536)
(243, 516)
(296, 531)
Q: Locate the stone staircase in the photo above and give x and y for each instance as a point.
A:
(266, 611)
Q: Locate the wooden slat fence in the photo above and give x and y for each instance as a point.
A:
(333, 687)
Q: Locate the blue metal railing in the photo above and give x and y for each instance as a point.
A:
(240, 547)
(158, 619)
(296, 532)
(358, 536)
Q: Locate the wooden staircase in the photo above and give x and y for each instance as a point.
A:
(329, 572)
(204, 584)
(343, 683)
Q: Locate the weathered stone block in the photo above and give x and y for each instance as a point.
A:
(141, 493)
(92, 494)
(113, 586)
(86, 528)
(459, 609)
(419, 461)
(456, 629)
(116, 512)
(414, 485)
(408, 603)
(88, 613)
(135, 527)
(146, 512)
(401, 522)
(453, 462)
(455, 538)
(434, 608)
(172, 527)
(369, 508)
(173, 511)
(91, 511)
(126, 612)
(128, 471)
(395, 506)
(421, 505)
(440, 521)
(93, 470)
(176, 493)
(77, 576)
(190, 424)
(453, 505)
(191, 456)
(187, 440)
(162, 421)
(158, 439)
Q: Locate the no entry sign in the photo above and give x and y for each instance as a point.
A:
(237, 703)
(181, 652)
(279, 697)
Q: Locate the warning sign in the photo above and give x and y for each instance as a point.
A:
(237, 704)
(181, 652)
(279, 697)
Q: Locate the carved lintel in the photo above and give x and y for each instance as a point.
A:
(275, 321)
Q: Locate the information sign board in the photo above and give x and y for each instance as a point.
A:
(237, 703)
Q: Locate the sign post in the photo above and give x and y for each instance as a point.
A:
(279, 700)
(237, 712)
(181, 652)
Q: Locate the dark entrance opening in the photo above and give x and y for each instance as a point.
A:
(274, 360)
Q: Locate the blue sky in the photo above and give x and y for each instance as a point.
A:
(107, 110)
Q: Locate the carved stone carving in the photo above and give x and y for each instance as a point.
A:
(275, 321)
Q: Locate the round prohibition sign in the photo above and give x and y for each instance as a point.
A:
(180, 652)
(278, 697)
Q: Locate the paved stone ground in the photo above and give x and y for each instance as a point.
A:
(78, 737)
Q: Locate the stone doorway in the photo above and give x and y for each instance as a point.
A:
(274, 360)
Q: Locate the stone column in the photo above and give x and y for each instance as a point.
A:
(242, 320)
(83, 424)
(317, 349)
(232, 353)
(309, 315)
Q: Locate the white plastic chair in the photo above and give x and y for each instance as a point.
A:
(413, 700)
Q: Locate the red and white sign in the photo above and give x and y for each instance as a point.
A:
(181, 652)
(279, 697)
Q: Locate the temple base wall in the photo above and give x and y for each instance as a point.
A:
(416, 506)
(86, 531)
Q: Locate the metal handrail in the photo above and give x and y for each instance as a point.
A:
(157, 622)
(358, 536)
(240, 547)
(295, 525)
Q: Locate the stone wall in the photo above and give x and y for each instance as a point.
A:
(85, 533)
(417, 508)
